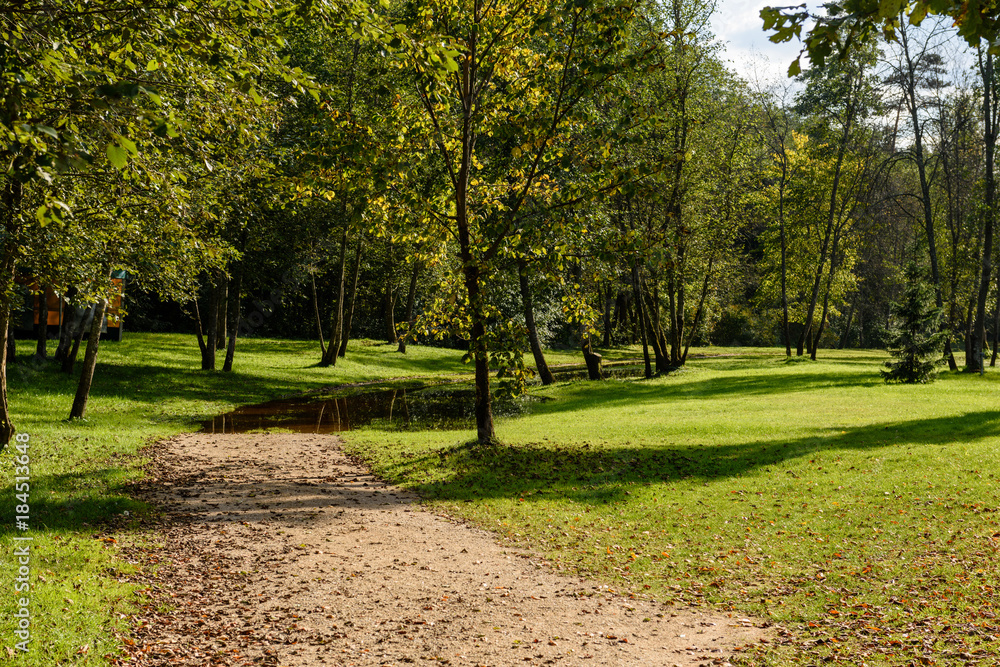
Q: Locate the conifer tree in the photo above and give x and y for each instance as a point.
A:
(915, 338)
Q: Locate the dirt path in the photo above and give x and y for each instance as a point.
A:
(278, 550)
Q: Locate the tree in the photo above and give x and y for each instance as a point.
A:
(915, 337)
(841, 95)
(521, 80)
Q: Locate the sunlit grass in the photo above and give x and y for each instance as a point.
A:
(860, 517)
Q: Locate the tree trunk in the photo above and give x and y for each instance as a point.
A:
(354, 293)
(336, 333)
(65, 331)
(235, 297)
(11, 213)
(485, 433)
(83, 325)
(41, 347)
(212, 332)
(826, 298)
(89, 361)
(319, 319)
(199, 329)
(592, 359)
(411, 296)
(701, 308)
(641, 317)
(608, 300)
(846, 335)
(388, 317)
(70, 320)
(529, 322)
(996, 327)
(222, 317)
(784, 257)
(989, 139)
(654, 332)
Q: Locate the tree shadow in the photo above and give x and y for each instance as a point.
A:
(597, 475)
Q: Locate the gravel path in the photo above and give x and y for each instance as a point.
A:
(279, 550)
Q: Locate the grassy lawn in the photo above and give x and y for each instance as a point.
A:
(858, 517)
(146, 387)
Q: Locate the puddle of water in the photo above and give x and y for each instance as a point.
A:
(432, 408)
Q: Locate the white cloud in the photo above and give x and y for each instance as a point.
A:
(737, 24)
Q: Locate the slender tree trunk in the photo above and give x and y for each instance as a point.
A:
(641, 317)
(529, 322)
(784, 258)
(826, 298)
(996, 327)
(989, 137)
(235, 296)
(11, 212)
(319, 320)
(354, 295)
(12, 205)
(199, 330)
(608, 300)
(222, 317)
(485, 432)
(846, 335)
(336, 333)
(593, 360)
(411, 295)
(619, 312)
(41, 347)
(212, 332)
(89, 362)
(650, 302)
(701, 308)
(78, 335)
(65, 329)
(70, 321)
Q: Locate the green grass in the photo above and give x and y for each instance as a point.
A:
(145, 388)
(861, 518)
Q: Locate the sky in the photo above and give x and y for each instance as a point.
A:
(737, 24)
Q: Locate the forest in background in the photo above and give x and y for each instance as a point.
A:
(500, 176)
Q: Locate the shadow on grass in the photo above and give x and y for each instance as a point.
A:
(589, 395)
(103, 496)
(594, 475)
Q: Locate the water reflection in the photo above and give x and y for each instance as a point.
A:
(434, 408)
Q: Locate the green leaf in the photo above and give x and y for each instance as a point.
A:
(117, 156)
(128, 145)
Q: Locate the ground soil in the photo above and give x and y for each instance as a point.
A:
(278, 549)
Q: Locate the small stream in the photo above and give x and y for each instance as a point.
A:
(444, 407)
